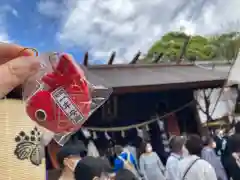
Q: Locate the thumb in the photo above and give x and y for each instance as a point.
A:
(15, 72)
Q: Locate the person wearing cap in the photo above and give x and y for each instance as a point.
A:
(176, 144)
(68, 157)
(93, 168)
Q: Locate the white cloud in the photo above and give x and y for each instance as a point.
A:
(49, 8)
(4, 37)
(127, 26)
(15, 12)
(4, 10)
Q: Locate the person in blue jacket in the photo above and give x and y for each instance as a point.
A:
(125, 160)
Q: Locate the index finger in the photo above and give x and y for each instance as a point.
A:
(11, 51)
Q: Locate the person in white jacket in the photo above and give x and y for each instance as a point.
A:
(192, 166)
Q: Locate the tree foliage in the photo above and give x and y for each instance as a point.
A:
(224, 46)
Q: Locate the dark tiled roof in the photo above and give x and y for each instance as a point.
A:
(147, 75)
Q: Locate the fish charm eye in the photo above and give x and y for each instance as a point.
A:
(41, 115)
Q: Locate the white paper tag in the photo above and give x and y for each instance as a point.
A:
(65, 103)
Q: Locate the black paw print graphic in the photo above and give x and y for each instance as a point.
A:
(28, 146)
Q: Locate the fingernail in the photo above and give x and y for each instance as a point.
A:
(26, 53)
(29, 52)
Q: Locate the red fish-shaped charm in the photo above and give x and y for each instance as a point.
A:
(65, 105)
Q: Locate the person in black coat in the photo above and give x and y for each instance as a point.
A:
(227, 154)
(228, 149)
(233, 160)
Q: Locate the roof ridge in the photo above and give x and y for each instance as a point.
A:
(105, 66)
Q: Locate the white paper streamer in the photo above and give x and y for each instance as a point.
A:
(139, 132)
(107, 135)
(92, 150)
(164, 136)
(161, 125)
(165, 142)
(94, 135)
(122, 133)
(147, 128)
(86, 133)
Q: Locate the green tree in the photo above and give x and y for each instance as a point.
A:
(221, 47)
(171, 44)
(227, 45)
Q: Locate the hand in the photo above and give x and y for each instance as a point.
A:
(16, 66)
(235, 155)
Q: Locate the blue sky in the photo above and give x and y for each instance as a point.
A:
(103, 26)
(26, 26)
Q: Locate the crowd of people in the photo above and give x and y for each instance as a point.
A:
(191, 157)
